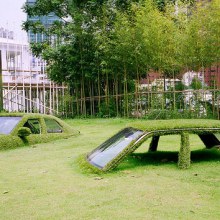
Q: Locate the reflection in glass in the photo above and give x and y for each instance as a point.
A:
(113, 146)
(52, 126)
(8, 123)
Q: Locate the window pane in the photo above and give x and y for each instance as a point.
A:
(113, 146)
(34, 126)
(7, 124)
(53, 126)
(218, 136)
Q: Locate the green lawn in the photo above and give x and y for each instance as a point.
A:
(44, 181)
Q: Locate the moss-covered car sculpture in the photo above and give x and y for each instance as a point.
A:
(109, 154)
(19, 129)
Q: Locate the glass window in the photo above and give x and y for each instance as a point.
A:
(53, 126)
(7, 124)
(34, 126)
(218, 136)
(113, 146)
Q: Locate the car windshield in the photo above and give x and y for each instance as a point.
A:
(7, 124)
(113, 146)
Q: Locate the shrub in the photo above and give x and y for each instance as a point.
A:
(23, 132)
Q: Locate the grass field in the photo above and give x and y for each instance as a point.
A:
(45, 182)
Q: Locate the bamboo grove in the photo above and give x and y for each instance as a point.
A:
(102, 49)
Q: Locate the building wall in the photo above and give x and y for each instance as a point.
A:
(212, 76)
(4, 33)
(150, 77)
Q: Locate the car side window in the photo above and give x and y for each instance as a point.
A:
(34, 126)
(53, 126)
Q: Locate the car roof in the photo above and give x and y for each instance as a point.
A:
(154, 125)
(19, 114)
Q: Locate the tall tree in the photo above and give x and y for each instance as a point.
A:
(102, 48)
(201, 46)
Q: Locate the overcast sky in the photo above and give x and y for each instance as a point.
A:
(11, 16)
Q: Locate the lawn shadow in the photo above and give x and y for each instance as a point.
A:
(161, 158)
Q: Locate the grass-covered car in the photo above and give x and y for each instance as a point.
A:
(109, 154)
(19, 129)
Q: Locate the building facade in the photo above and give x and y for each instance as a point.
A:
(47, 21)
(212, 76)
(26, 87)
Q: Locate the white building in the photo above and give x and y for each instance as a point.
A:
(26, 87)
(188, 77)
(167, 83)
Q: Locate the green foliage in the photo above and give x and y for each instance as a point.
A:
(202, 36)
(179, 86)
(23, 132)
(161, 46)
(107, 109)
(184, 154)
(197, 113)
(165, 114)
(196, 84)
(10, 142)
